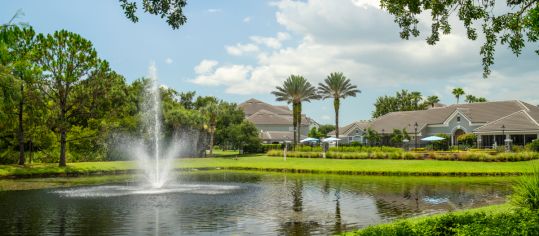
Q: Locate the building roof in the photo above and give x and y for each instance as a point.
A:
(346, 130)
(518, 121)
(262, 113)
(479, 113)
(252, 106)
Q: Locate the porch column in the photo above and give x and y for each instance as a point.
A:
(508, 143)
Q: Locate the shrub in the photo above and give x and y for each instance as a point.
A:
(526, 191)
(533, 146)
(442, 144)
(467, 139)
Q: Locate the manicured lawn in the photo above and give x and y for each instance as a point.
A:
(265, 163)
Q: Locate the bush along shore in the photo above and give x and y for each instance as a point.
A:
(402, 155)
(519, 217)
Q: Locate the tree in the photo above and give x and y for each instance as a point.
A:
(372, 136)
(170, 9)
(245, 136)
(295, 90)
(431, 100)
(314, 133)
(402, 101)
(67, 59)
(468, 139)
(511, 25)
(325, 129)
(473, 99)
(457, 92)
(338, 87)
(18, 55)
(212, 110)
(398, 136)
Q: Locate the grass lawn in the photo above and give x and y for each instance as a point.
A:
(304, 165)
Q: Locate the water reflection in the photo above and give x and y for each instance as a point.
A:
(260, 203)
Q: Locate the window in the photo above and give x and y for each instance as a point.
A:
(458, 118)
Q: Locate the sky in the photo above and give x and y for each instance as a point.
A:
(241, 49)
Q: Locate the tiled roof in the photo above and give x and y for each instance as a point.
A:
(252, 106)
(264, 117)
(483, 112)
(518, 121)
(349, 128)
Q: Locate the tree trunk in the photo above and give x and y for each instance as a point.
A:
(21, 130)
(299, 121)
(212, 133)
(63, 142)
(295, 121)
(336, 105)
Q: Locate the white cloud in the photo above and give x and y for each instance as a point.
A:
(359, 39)
(271, 42)
(240, 49)
(205, 66)
(247, 19)
(214, 10)
(326, 117)
(169, 60)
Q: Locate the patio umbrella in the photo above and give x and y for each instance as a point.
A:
(309, 140)
(432, 138)
(331, 139)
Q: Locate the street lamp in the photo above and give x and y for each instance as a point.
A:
(382, 141)
(415, 134)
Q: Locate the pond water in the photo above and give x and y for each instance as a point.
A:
(239, 203)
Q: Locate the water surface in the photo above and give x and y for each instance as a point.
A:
(239, 203)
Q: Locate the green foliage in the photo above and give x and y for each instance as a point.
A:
(457, 92)
(325, 129)
(468, 139)
(512, 222)
(511, 23)
(533, 146)
(402, 101)
(442, 144)
(172, 10)
(526, 192)
(314, 133)
(473, 99)
(296, 89)
(338, 87)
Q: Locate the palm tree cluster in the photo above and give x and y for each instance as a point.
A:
(403, 101)
(457, 92)
(296, 89)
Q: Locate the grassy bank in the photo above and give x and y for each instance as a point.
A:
(299, 165)
(491, 220)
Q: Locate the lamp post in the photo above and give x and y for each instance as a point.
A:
(382, 141)
(415, 134)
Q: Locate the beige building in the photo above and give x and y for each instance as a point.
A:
(274, 122)
(492, 122)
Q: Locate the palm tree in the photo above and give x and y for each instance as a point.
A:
(458, 92)
(338, 87)
(212, 110)
(295, 90)
(431, 100)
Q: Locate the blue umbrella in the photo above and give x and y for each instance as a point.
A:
(309, 140)
(432, 138)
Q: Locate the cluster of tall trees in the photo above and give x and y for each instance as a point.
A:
(403, 101)
(457, 92)
(59, 101)
(413, 101)
(296, 89)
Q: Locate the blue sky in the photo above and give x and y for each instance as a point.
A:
(240, 49)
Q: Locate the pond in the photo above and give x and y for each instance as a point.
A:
(232, 203)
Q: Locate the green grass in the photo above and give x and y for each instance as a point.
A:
(300, 165)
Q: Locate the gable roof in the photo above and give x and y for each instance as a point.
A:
(268, 117)
(252, 106)
(518, 121)
(482, 112)
(346, 130)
